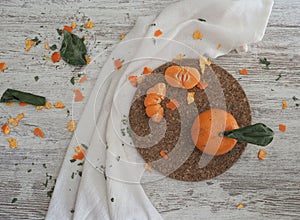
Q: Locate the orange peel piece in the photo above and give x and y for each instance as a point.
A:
(5, 129)
(13, 143)
(38, 132)
(173, 104)
(78, 95)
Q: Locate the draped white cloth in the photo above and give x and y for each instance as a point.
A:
(110, 184)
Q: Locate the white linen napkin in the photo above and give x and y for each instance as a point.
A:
(110, 184)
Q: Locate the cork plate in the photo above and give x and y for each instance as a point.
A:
(172, 135)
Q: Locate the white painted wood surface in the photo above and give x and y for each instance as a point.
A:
(269, 189)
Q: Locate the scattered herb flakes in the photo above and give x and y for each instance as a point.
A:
(73, 50)
(11, 95)
(104, 174)
(295, 98)
(80, 164)
(36, 78)
(72, 211)
(59, 31)
(278, 78)
(73, 174)
(44, 165)
(201, 19)
(53, 47)
(72, 80)
(29, 171)
(118, 158)
(72, 160)
(79, 173)
(265, 62)
(152, 25)
(112, 199)
(46, 183)
(84, 146)
(36, 41)
(14, 200)
(50, 192)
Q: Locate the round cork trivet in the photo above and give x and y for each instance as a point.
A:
(173, 135)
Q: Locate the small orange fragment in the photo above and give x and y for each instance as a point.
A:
(164, 155)
(282, 127)
(244, 72)
(20, 116)
(89, 25)
(159, 89)
(73, 25)
(262, 154)
(239, 206)
(118, 64)
(13, 143)
(13, 121)
(190, 98)
(78, 95)
(10, 103)
(71, 125)
(155, 112)
(39, 107)
(122, 36)
(284, 105)
(219, 46)
(202, 62)
(47, 46)
(173, 104)
(148, 167)
(59, 104)
(48, 105)
(5, 129)
(83, 79)
(202, 85)
(2, 66)
(38, 132)
(80, 151)
(23, 104)
(197, 35)
(67, 28)
(158, 33)
(55, 57)
(147, 71)
(88, 60)
(133, 80)
(29, 44)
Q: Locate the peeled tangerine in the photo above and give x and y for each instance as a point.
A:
(207, 131)
(182, 77)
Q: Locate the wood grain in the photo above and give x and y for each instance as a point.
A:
(269, 189)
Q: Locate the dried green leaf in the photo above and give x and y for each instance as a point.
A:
(73, 50)
(258, 134)
(11, 95)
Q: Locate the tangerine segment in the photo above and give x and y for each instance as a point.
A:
(152, 99)
(207, 128)
(182, 77)
(155, 112)
(159, 89)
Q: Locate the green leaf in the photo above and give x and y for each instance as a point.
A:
(201, 19)
(265, 62)
(258, 134)
(73, 49)
(11, 95)
(72, 80)
(53, 47)
(14, 200)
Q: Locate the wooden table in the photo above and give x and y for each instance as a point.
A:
(270, 189)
